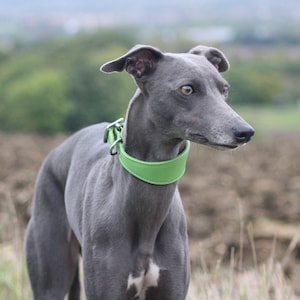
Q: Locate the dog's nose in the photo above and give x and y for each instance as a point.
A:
(243, 133)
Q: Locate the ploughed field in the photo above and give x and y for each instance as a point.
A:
(241, 205)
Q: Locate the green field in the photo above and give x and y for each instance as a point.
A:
(265, 119)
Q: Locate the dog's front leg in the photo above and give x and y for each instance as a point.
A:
(106, 268)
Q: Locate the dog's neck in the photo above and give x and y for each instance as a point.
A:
(142, 138)
(148, 204)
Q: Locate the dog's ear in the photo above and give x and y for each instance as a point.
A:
(139, 61)
(214, 55)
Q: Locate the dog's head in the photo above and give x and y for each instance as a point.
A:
(186, 94)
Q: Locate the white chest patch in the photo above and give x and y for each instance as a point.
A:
(144, 280)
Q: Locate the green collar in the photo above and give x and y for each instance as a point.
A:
(158, 173)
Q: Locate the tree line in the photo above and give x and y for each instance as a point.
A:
(52, 86)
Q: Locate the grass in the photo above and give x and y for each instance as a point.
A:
(265, 119)
(13, 279)
(266, 282)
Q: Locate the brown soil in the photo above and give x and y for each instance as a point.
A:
(242, 204)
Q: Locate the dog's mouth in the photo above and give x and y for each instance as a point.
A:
(201, 139)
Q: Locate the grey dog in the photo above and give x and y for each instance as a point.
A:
(132, 234)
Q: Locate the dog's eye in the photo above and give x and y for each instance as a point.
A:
(187, 90)
(225, 91)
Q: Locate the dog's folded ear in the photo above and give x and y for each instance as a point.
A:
(140, 60)
(214, 55)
